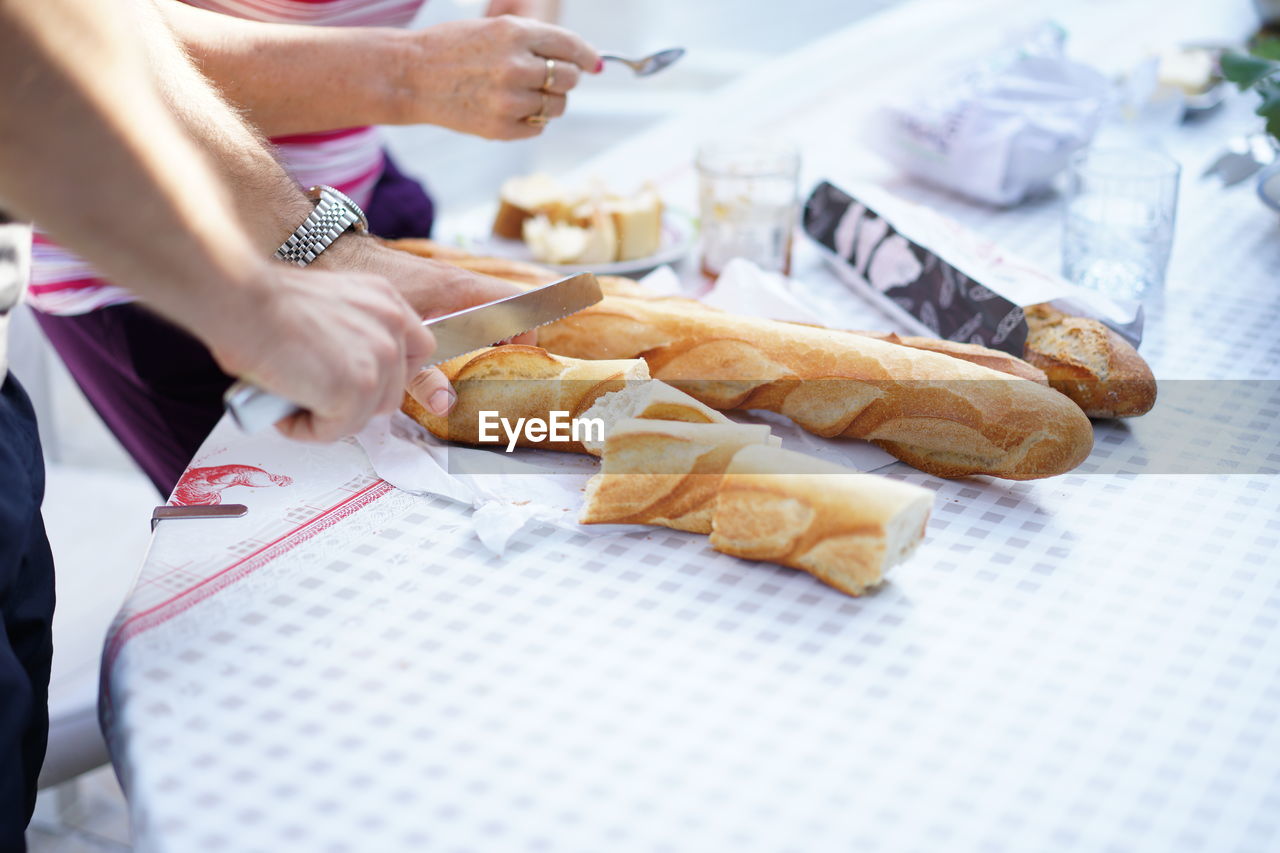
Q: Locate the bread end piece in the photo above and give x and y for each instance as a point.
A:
(845, 528)
(1090, 363)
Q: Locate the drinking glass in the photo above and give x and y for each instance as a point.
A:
(1120, 210)
(747, 196)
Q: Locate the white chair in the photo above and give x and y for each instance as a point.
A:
(97, 508)
(85, 509)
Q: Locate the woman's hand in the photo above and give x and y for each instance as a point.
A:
(487, 77)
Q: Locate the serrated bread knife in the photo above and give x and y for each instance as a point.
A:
(254, 409)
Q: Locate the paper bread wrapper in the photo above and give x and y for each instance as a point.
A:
(938, 278)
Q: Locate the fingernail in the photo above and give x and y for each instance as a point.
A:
(599, 65)
(442, 401)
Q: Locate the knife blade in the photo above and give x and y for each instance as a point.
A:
(254, 409)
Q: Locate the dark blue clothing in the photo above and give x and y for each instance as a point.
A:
(26, 615)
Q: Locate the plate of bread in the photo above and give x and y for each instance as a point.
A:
(592, 228)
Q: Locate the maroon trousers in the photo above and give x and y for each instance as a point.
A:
(156, 387)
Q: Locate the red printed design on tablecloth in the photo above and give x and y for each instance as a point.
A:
(313, 520)
(204, 486)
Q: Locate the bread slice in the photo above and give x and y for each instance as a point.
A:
(521, 198)
(652, 400)
(1090, 363)
(845, 528)
(638, 222)
(564, 243)
(665, 472)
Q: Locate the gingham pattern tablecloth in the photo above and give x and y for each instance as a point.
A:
(1089, 662)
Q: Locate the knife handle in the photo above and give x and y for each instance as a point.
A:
(254, 409)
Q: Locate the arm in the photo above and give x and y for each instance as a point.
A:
(430, 287)
(540, 10)
(479, 76)
(91, 150)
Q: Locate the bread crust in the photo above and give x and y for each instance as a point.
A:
(508, 222)
(1090, 363)
(520, 381)
(942, 414)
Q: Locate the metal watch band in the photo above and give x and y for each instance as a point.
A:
(334, 213)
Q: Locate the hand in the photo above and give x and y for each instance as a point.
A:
(486, 76)
(340, 345)
(432, 289)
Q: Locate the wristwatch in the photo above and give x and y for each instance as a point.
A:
(333, 215)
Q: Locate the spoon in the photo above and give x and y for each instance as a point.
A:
(651, 64)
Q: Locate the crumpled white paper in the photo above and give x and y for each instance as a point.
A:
(512, 490)
(1000, 129)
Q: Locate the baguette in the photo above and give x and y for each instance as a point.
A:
(665, 472)
(944, 415)
(517, 272)
(518, 381)
(992, 358)
(844, 528)
(652, 400)
(1090, 363)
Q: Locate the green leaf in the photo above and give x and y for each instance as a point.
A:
(1270, 106)
(1245, 70)
(1267, 48)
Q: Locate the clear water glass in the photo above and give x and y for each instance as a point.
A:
(747, 194)
(1120, 209)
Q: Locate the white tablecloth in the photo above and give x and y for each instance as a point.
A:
(1087, 662)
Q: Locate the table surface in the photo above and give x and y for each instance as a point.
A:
(1086, 662)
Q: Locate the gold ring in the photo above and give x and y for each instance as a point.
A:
(541, 117)
(549, 80)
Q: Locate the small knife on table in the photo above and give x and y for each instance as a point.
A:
(254, 409)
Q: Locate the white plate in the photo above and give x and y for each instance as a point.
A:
(678, 236)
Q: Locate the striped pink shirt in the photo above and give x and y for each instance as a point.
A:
(350, 159)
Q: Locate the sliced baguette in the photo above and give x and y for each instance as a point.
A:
(845, 528)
